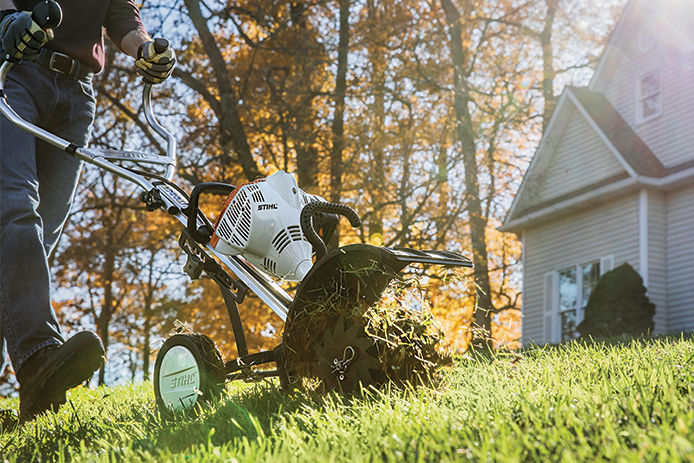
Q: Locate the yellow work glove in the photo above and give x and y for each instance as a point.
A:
(155, 61)
(20, 36)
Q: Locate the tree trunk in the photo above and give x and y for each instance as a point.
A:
(146, 351)
(548, 72)
(306, 151)
(147, 309)
(442, 221)
(466, 136)
(232, 131)
(340, 92)
(102, 329)
(378, 67)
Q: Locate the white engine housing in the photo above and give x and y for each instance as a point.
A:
(261, 222)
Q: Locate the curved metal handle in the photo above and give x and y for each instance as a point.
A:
(54, 140)
(165, 134)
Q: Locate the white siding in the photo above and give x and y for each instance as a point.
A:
(580, 159)
(680, 260)
(657, 249)
(588, 235)
(669, 136)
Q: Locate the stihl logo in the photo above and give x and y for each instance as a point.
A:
(184, 380)
(265, 207)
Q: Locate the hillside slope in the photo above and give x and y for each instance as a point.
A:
(628, 401)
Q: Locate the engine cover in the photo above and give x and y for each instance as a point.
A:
(261, 222)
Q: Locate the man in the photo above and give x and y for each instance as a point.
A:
(51, 86)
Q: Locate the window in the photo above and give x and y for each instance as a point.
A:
(575, 284)
(649, 97)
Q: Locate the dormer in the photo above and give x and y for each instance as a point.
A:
(647, 74)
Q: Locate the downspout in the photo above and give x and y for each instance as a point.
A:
(523, 288)
(643, 236)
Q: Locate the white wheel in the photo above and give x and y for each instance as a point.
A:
(188, 370)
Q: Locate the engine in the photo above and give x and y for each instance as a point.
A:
(262, 222)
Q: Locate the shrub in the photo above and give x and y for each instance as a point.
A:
(618, 305)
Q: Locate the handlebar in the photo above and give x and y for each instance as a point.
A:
(47, 14)
(65, 145)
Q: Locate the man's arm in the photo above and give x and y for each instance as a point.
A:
(131, 42)
(124, 26)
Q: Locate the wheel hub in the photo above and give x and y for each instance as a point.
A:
(179, 379)
(340, 366)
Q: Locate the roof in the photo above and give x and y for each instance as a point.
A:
(673, 17)
(640, 163)
(634, 151)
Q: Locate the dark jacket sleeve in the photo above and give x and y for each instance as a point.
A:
(122, 17)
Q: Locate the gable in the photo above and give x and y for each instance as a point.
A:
(644, 28)
(580, 159)
(571, 157)
(587, 146)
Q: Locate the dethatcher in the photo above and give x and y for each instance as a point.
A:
(269, 230)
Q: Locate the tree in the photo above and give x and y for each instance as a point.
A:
(419, 114)
(92, 265)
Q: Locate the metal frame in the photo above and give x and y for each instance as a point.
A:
(164, 194)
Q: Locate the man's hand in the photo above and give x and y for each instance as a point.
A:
(20, 36)
(155, 60)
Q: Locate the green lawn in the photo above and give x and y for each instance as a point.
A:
(627, 401)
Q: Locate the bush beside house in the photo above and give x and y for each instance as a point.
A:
(618, 305)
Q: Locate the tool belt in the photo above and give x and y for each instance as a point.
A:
(63, 64)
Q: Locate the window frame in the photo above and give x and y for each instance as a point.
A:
(580, 304)
(641, 98)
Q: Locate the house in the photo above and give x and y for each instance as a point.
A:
(612, 180)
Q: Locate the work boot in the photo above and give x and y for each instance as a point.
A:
(49, 373)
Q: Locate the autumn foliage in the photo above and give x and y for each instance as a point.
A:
(421, 115)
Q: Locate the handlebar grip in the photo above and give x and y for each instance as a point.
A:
(307, 216)
(47, 14)
(160, 45)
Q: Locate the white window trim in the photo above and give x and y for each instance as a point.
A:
(605, 263)
(579, 295)
(640, 119)
(551, 319)
(550, 304)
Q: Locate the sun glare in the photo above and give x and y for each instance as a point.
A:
(675, 19)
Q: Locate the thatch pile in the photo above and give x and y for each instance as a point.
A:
(407, 341)
(410, 342)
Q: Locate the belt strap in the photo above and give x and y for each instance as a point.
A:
(63, 64)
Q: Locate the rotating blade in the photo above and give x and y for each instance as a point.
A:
(346, 357)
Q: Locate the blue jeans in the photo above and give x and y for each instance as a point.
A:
(37, 183)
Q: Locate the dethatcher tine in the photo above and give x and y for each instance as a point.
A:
(268, 229)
